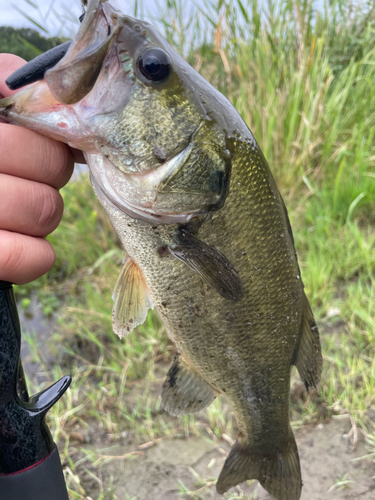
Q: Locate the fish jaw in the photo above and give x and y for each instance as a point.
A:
(135, 195)
(35, 108)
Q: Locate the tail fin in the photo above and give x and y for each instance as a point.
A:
(279, 474)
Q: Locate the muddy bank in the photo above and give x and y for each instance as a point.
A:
(165, 470)
(168, 468)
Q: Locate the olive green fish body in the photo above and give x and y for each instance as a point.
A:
(242, 349)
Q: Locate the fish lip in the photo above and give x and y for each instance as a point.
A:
(75, 75)
(141, 215)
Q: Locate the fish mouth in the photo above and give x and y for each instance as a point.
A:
(76, 73)
(74, 76)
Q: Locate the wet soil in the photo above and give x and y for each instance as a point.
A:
(331, 469)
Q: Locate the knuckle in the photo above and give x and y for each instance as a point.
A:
(55, 162)
(49, 209)
(11, 255)
(24, 258)
(49, 256)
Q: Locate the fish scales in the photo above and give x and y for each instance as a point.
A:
(206, 232)
(197, 318)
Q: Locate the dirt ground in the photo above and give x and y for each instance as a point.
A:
(162, 471)
(326, 459)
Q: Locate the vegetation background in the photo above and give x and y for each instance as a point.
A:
(302, 76)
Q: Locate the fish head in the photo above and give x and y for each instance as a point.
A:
(156, 135)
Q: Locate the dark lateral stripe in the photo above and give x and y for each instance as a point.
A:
(34, 70)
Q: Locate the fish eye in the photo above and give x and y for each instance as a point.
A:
(154, 64)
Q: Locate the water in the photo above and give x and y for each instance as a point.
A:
(36, 330)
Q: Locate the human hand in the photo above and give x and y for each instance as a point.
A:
(32, 170)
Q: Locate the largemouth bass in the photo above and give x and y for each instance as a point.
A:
(207, 235)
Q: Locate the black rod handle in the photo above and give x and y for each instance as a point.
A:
(27, 449)
(43, 481)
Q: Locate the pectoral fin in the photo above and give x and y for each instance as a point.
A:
(211, 265)
(308, 359)
(184, 391)
(131, 299)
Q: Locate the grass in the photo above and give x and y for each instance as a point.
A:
(304, 81)
(341, 483)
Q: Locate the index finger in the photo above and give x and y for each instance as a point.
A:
(41, 159)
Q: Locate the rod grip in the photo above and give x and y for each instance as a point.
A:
(42, 481)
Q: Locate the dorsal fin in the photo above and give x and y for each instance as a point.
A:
(131, 299)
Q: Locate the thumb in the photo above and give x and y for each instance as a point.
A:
(8, 64)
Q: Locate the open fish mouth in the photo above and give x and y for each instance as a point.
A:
(75, 76)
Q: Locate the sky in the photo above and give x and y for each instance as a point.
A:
(10, 16)
(68, 10)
